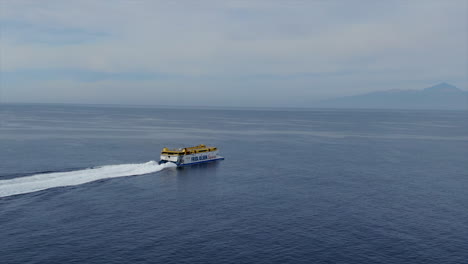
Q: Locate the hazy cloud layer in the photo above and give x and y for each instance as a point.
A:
(265, 53)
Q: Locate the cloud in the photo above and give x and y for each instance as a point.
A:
(315, 48)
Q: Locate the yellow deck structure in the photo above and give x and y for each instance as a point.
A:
(186, 151)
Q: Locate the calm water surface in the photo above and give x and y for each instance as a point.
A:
(315, 186)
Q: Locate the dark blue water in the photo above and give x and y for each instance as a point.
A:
(318, 186)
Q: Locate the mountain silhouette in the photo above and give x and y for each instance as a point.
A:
(440, 96)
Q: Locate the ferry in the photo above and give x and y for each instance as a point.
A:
(191, 155)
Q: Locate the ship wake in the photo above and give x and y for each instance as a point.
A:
(39, 182)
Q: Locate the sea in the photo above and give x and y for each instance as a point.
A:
(82, 184)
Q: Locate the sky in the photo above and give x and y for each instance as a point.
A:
(227, 53)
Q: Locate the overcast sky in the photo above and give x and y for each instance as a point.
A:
(227, 53)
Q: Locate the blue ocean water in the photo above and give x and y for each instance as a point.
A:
(297, 186)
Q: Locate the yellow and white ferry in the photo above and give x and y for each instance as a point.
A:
(190, 155)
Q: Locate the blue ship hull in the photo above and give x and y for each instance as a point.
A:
(192, 163)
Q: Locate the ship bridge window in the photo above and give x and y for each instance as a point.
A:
(171, 153)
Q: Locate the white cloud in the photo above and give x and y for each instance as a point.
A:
(236, 39)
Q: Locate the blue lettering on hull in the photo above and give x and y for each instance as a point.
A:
(199, 158)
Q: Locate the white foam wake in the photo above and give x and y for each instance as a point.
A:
(44, 181)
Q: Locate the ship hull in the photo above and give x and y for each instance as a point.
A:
(191, 159)
(199, 162)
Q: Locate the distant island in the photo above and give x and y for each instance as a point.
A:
(440, 96)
